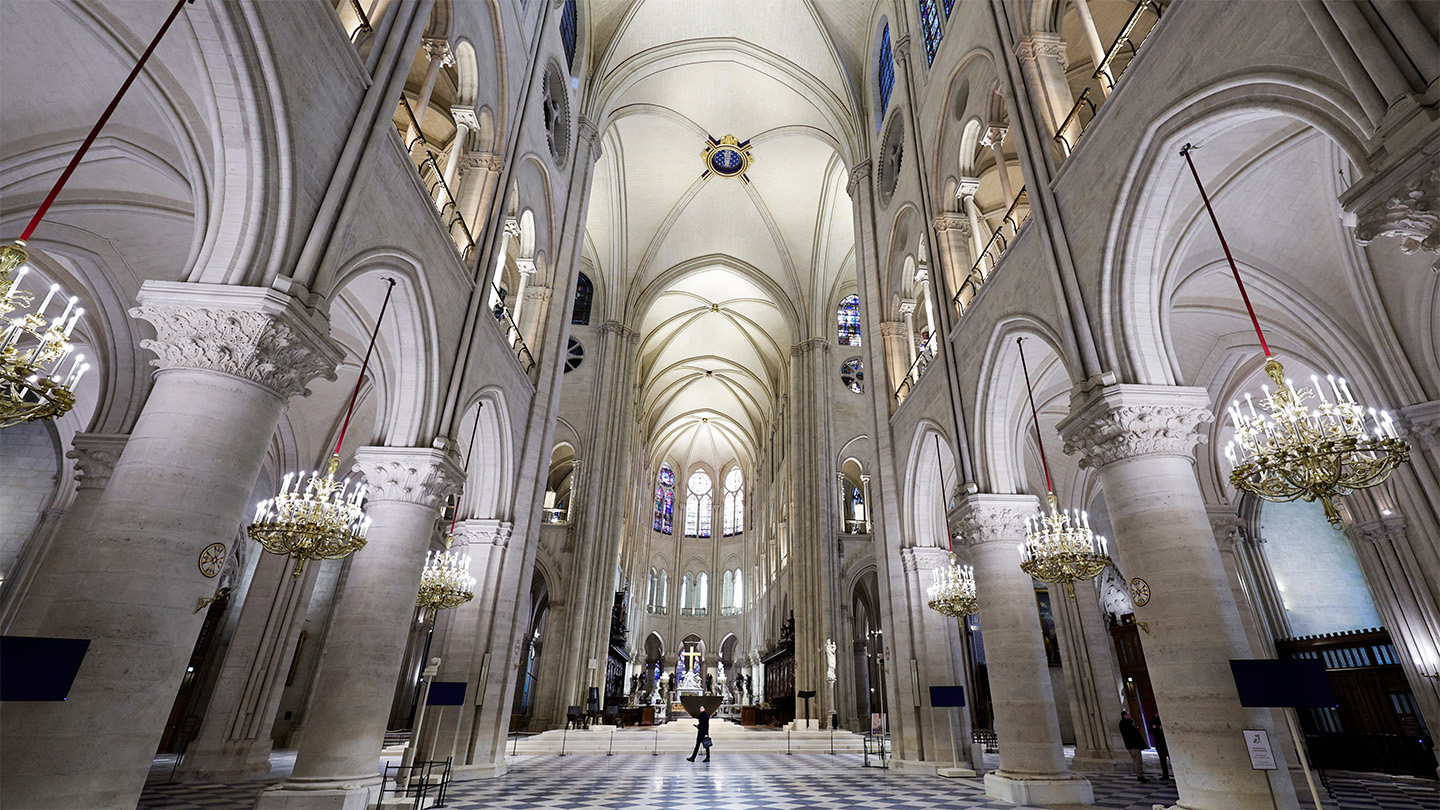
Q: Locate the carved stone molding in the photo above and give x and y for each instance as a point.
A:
(253, 333)
(1228, 526)
(952, 222)
(489, 161)
(807, 346)
(1421, 423)
(483, 532)
(1389, 529)
(589, 134)
(994, 135)
(892, 329)
(967, 187)
(983, 518)
(1412, 215)
(95, 455)
(858, 175)
(907, 306)
(1042, 46)
(438, 49)
(416, 475)
(1125, 421)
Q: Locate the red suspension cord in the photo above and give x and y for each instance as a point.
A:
(1034, 415)
(350, 411)
(944, 505)
(104, 117)
(1185, 151)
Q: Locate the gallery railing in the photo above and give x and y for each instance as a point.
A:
(511, 332)
(1108, 73)
(434, 179)
(1015, 216)
(917, 369)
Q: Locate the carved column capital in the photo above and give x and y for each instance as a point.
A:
(1387, 529)
(984, 518)
(1042, 46)
(254, 333)
(893, 329)
(418, 475)
(994, 136)
(967, 187)
(952, 222)
(483, 532)
(95, 455)
(1119, 422)
(924, 558)
(858, 176)
(1228, 526)
(438, 49)
(1412, 215)
(589, 132)
(907, 306)
(1421, 423)
(489, 161)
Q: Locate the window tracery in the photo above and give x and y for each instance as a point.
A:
(698, 504)
(848, 316)
(734, 522)
(665, 500)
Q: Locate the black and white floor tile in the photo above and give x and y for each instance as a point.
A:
(759, 782)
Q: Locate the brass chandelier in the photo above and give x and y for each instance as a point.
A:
(1287, 450)
(1059, 545)
(446, 582)
(953, 593)
(34, 346)
(326, 520)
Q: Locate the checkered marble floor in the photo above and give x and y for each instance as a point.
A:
(762, 782)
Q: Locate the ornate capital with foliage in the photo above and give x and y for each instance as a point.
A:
(858, 175)
(1042, 46)
(1119, 422)
(1388, 529)
(1412, 215)
(95, 455)
(983, 518)
(418, 475)
(254, 333)
(482, 532)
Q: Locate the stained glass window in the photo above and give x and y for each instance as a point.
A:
(739, 589)
(584, 291)
(665, 500)
(885, 75)
(949, 5)
(699, 505)
(734, 502)
(930, 27)
(569, 30)
(852, 374)
(848, 315)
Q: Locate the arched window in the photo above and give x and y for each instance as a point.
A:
(584, 291)
(569, 30)
(734, 502)
(949, 5)
(885, 74)
(739, 590)
(702, 593)
(665, 500)
(652, 601)
(664, 594)
(699, 505)
(727, 592)
(930, 28)
(848, 315)
(687, 594)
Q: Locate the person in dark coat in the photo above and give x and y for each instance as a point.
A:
(703, 732)
(1157, 736)
(1134, 743)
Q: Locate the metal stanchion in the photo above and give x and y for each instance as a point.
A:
(564, 733)
(611, 752)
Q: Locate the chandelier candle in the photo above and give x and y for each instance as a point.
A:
(953, 593)
(1286, 450)
(446, 582)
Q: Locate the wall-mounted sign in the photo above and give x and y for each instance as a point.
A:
(1257, 742)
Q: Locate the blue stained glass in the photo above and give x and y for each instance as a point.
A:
(949, 6)
(930, 27)
(569, 30)
(665, 501)
(848, 316)
(886, 74)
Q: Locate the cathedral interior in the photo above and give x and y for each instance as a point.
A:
(440, 401)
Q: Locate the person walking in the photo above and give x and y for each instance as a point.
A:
(702, 736)
(1157, 736)
(1134, 743)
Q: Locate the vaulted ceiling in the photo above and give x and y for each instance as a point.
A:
(722, 274)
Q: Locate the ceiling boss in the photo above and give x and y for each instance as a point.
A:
(727, 157)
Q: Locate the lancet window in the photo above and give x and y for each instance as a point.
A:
(885, 74)
(930, 28)
(665, 500)
(848, 316)
(699, 504)
(734, 502)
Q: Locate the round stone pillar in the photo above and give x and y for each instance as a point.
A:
(1140, 439)
(337, 764)
(229, 357)
(1032, 758)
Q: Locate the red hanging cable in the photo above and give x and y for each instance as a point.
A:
(1185, 151)
(1034, 415)
(469, 454)
(940, 467)
(104, 117)
(350, 411)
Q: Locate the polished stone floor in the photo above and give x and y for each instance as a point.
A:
(754, 782)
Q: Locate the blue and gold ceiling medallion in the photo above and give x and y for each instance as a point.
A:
(727, 157)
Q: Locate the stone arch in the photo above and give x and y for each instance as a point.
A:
(931, 460)
(1002, 420)
(490, 474)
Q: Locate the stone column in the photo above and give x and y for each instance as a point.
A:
(27, 594)
(907, 311)
(234, 740)
(517, 301)
(1140, 439)
(979, 229)
(1097, 48)
(937, 647)
(1042, 63)
(228, 359)
(892, 337)
(994, 138)
(337, 765)
(439, 53)
(1032, 759)
(1093, 679)
(952, 235)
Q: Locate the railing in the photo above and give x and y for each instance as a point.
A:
(414, 785)
(1108, 73)
(692, 611)
(658, 610)
(729, 611)
(362, 21)
(990, 256)
(917, 369)
(439, 191)
(554, 515)
(857, 526)
(511, 332)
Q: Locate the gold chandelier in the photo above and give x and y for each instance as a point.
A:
(447, 582)
(1288, 450)
(325, 521)
(1059, 545)
(953, 593)
(33, 347)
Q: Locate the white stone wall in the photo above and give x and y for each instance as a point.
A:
(1319, 577)
(29, 462)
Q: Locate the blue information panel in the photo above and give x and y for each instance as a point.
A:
(33, 668)
(946, 697)
(446, 693)
(1269, 683)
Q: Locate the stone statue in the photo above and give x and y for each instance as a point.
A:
(830, 660)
